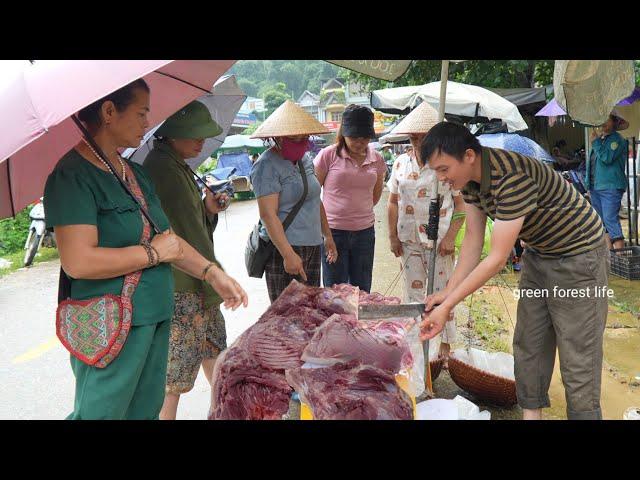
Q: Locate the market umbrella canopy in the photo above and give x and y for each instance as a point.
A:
(461, 99)
(589, 89)
(223, 103)
(37, 101)
(389, 70)
(243, 142)
(515, 143)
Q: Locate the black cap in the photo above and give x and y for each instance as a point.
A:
(357, 121)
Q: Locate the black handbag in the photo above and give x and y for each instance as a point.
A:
(258, 251)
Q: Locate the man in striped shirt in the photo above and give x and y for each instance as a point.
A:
(561, 304)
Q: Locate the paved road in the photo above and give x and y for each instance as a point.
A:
(34, 367)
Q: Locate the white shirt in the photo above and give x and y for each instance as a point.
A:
(415, 187)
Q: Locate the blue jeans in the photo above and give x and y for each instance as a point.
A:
(607, 204)
(355, 258)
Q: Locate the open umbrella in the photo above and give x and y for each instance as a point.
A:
(461, 100)
(589, 89)
(516, 143)
(223, 102)
(38, 99)
(242, 142)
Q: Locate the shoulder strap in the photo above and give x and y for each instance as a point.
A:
(292, 214)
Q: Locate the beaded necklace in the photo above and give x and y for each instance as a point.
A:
(124, 172)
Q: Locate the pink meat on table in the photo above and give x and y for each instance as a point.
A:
(351, 391)
(342, 338)
(249, 377)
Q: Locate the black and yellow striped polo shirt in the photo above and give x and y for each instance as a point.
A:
(558, 220)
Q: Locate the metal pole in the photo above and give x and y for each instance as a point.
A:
(434, 219)
(587, 144)
(629, 213)
(635, 193)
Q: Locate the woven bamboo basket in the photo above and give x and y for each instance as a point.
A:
(484, 385)
(436, 368)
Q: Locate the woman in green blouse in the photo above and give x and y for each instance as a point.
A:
(198, 332)
(98, 227)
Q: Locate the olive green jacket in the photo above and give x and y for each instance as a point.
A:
(182, 203)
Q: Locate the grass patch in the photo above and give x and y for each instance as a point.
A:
(489, 325)
(44, 255)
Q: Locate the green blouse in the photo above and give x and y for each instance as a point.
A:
(79, 193)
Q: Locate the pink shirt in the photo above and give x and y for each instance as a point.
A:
(347, 193)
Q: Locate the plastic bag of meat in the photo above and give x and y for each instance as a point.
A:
(341, 298)
(351, 391)
(391, 345)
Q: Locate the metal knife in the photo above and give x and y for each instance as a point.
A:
(373, 311)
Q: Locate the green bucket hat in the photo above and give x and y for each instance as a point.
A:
(192, 121)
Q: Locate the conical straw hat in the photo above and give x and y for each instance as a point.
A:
(289, 120)
(420, 120)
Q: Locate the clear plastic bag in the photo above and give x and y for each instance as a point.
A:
(497, 363)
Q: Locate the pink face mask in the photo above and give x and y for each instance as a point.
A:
(294, 151)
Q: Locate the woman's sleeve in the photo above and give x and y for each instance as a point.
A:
(68, 200)
(264, 179)
(392, 184)
(321, 162)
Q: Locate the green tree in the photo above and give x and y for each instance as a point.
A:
(248, 87)
(484, 73)
(274, 97)
(252, 128)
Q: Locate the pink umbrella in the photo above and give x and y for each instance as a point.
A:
(37, 101)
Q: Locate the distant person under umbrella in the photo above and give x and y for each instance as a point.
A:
(606, 178)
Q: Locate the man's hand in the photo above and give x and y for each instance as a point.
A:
(434, 321)
(435, 299)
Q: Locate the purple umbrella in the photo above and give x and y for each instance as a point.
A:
(552, 109)
(634, 97)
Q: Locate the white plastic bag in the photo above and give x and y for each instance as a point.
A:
(498, 363)
(457, 409)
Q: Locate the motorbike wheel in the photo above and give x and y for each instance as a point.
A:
(32, 249)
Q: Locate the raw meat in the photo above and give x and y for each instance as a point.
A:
(249, 377)
(351, 391)
(342, 338)
(277, 342)
(249, 382)
(243, 390)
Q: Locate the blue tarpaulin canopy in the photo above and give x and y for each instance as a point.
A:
(241, 161)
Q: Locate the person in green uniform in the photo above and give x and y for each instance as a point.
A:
(198, 332)
(98, 228)
(606, 178)
(564, 273)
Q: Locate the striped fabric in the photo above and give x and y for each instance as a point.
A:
(558, 220)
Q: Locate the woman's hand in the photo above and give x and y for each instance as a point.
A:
(447, 246)
(212, 203)
(233, 295)
(331, 249)
(167, 244)
(293, 265)
(396, 245)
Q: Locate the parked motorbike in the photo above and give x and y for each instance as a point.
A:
(37, 233)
